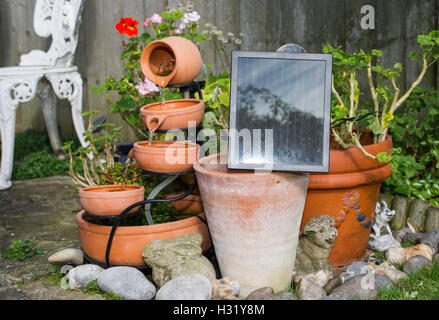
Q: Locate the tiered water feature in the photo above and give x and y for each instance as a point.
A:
(170, 62)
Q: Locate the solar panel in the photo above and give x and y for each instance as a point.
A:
(280, 111)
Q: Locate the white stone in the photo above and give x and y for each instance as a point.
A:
(320, 278)
(390, 271)
(65, 256)
(187, 287)
(309, 290)
(127, 282)
(80, 276)
(397, 256)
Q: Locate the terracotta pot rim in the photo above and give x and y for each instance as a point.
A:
(137, 230)
(87, 193)
(198, 105)
(349, 180)
(139, 146)
(238, 173)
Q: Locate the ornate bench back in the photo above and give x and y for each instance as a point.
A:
(59, 19)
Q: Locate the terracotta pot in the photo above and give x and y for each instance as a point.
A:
(176, 55)
(177, 114)
(191, 204)
(254, 222)
(165, 156)
(128, 242)
(110, 200)
(348, 193)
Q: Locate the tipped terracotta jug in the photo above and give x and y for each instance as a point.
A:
(171, 60)
(177, 114)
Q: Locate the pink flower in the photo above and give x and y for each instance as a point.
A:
(191, 17)
(177, 31)
(147, 87)
(155, 18)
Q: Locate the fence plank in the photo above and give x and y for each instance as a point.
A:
(266, 24)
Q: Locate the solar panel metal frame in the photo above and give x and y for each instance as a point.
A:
(289, 167)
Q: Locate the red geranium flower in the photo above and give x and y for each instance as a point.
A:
(128, 26)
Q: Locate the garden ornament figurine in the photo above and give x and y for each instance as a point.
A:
(59, 19)
(378, 242)
(315, 245)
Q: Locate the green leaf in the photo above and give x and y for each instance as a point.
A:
(126, 103)
(376, 52)
(435, 52)
(384, 157)
(398, 66)
(375, 126)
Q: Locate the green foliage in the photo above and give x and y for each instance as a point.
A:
(30, 141)
(216, 96)
(22, 250)
(39, 165)
(93, 289)
(415, 133)
(34, 158)
(385, 92)
(420, 285)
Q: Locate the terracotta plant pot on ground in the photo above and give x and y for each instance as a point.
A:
(110, 200)
(254, 222)
(349, 193)
(177, 114)
(165, 156)
(171, 60)
(128, 242)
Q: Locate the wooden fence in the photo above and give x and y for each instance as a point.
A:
(267, 24)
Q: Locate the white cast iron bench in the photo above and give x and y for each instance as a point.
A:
(59, 19)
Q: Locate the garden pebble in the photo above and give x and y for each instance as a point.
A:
(127, 282)
(381, 281)
(80, 276)
(187, 287)
(267, 293)
(225, 287)
(321, 278)
(334, 283)
(66, 256)
(397, 256)
(336, 296)
(416, 263)
(260, 294)
(309, 290)
(390, 272)
(355, 269)
(358, 287)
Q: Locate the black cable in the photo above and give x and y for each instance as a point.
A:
(334, 123)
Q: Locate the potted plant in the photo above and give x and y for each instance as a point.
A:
(134, 90)
(361, 147)
(120, 185)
